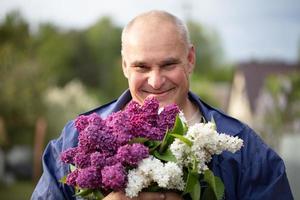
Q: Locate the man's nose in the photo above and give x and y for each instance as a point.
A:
(156, 79)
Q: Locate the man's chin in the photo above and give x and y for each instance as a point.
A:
(165, 102)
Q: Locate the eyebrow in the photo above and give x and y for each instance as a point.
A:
(170, 61)
(162, 63)
(138, 63)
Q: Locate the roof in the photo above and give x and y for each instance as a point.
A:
(255, 74)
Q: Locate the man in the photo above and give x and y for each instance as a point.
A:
(157, 61)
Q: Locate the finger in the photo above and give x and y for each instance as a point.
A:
(151, 196)
(116, 196)
(173, 196)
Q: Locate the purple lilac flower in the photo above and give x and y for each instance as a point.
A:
(102, 159)
(68, 155)
(95, 139)
(71, 178)
(132, 154)
(141, 128)
(95, 119)
(114, 177)
(111, 160)
(150, 110)
(123, 153)
(87, 138)
(133, 108)
(81, 122)
(89, 177)
(139, 152)
(120, 127)
(82, 160)
(98, 159)
(167, 117)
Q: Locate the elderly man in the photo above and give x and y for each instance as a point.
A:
(157, 61)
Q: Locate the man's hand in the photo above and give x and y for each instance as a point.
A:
(144, 196)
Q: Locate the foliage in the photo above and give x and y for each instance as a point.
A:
(208, 48)
(103, 41)
(21, 85)
(55, 52)
(17, 190)
(69, 102)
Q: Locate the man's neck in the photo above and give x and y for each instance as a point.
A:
(190, 109)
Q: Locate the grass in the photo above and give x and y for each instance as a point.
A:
(18, 191)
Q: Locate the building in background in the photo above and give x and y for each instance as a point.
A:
(247, 93)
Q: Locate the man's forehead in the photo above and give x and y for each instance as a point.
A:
(153, 51)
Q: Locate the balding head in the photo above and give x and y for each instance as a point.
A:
(155, 22)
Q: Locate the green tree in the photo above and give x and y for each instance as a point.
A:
(20, 85)
(56, 52)
(208, 47)
(104, 45)
(210, 71)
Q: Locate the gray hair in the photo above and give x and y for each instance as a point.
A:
(179, 24)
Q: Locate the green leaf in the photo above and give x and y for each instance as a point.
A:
(183, 139)
(215, 183)
(212, 120)
(63, 180)
(138, 140)
(152, 145)
(152, 188)
(179, 129)
(192, 185)
(83, 192)
(165, 142)
(98, 194)
(165, 156)
(178, 126)
(72, 167)
(209, 194)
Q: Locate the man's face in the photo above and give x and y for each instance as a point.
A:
(158, 64)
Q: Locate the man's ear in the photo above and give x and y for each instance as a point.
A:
(124, 68)
(191, 59)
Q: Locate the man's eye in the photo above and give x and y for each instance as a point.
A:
(140, 68)
(169, 65)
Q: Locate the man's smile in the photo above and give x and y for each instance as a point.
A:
(158, 93)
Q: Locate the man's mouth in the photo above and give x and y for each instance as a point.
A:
(158, 93)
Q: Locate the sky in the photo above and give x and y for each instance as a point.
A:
(253, 29)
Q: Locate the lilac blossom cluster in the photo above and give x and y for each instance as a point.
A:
(104, 152)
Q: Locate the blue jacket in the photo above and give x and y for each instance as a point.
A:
(256, 172)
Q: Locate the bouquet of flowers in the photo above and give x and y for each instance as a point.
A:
(144, 148)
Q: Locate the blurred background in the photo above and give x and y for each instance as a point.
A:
(61, 58)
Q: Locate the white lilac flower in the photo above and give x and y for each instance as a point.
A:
(229, 143)
(136, 182)
(149, 165)
(182, 117)
(173, 173)
(169, 175)
(206, 142)
(180, 150)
